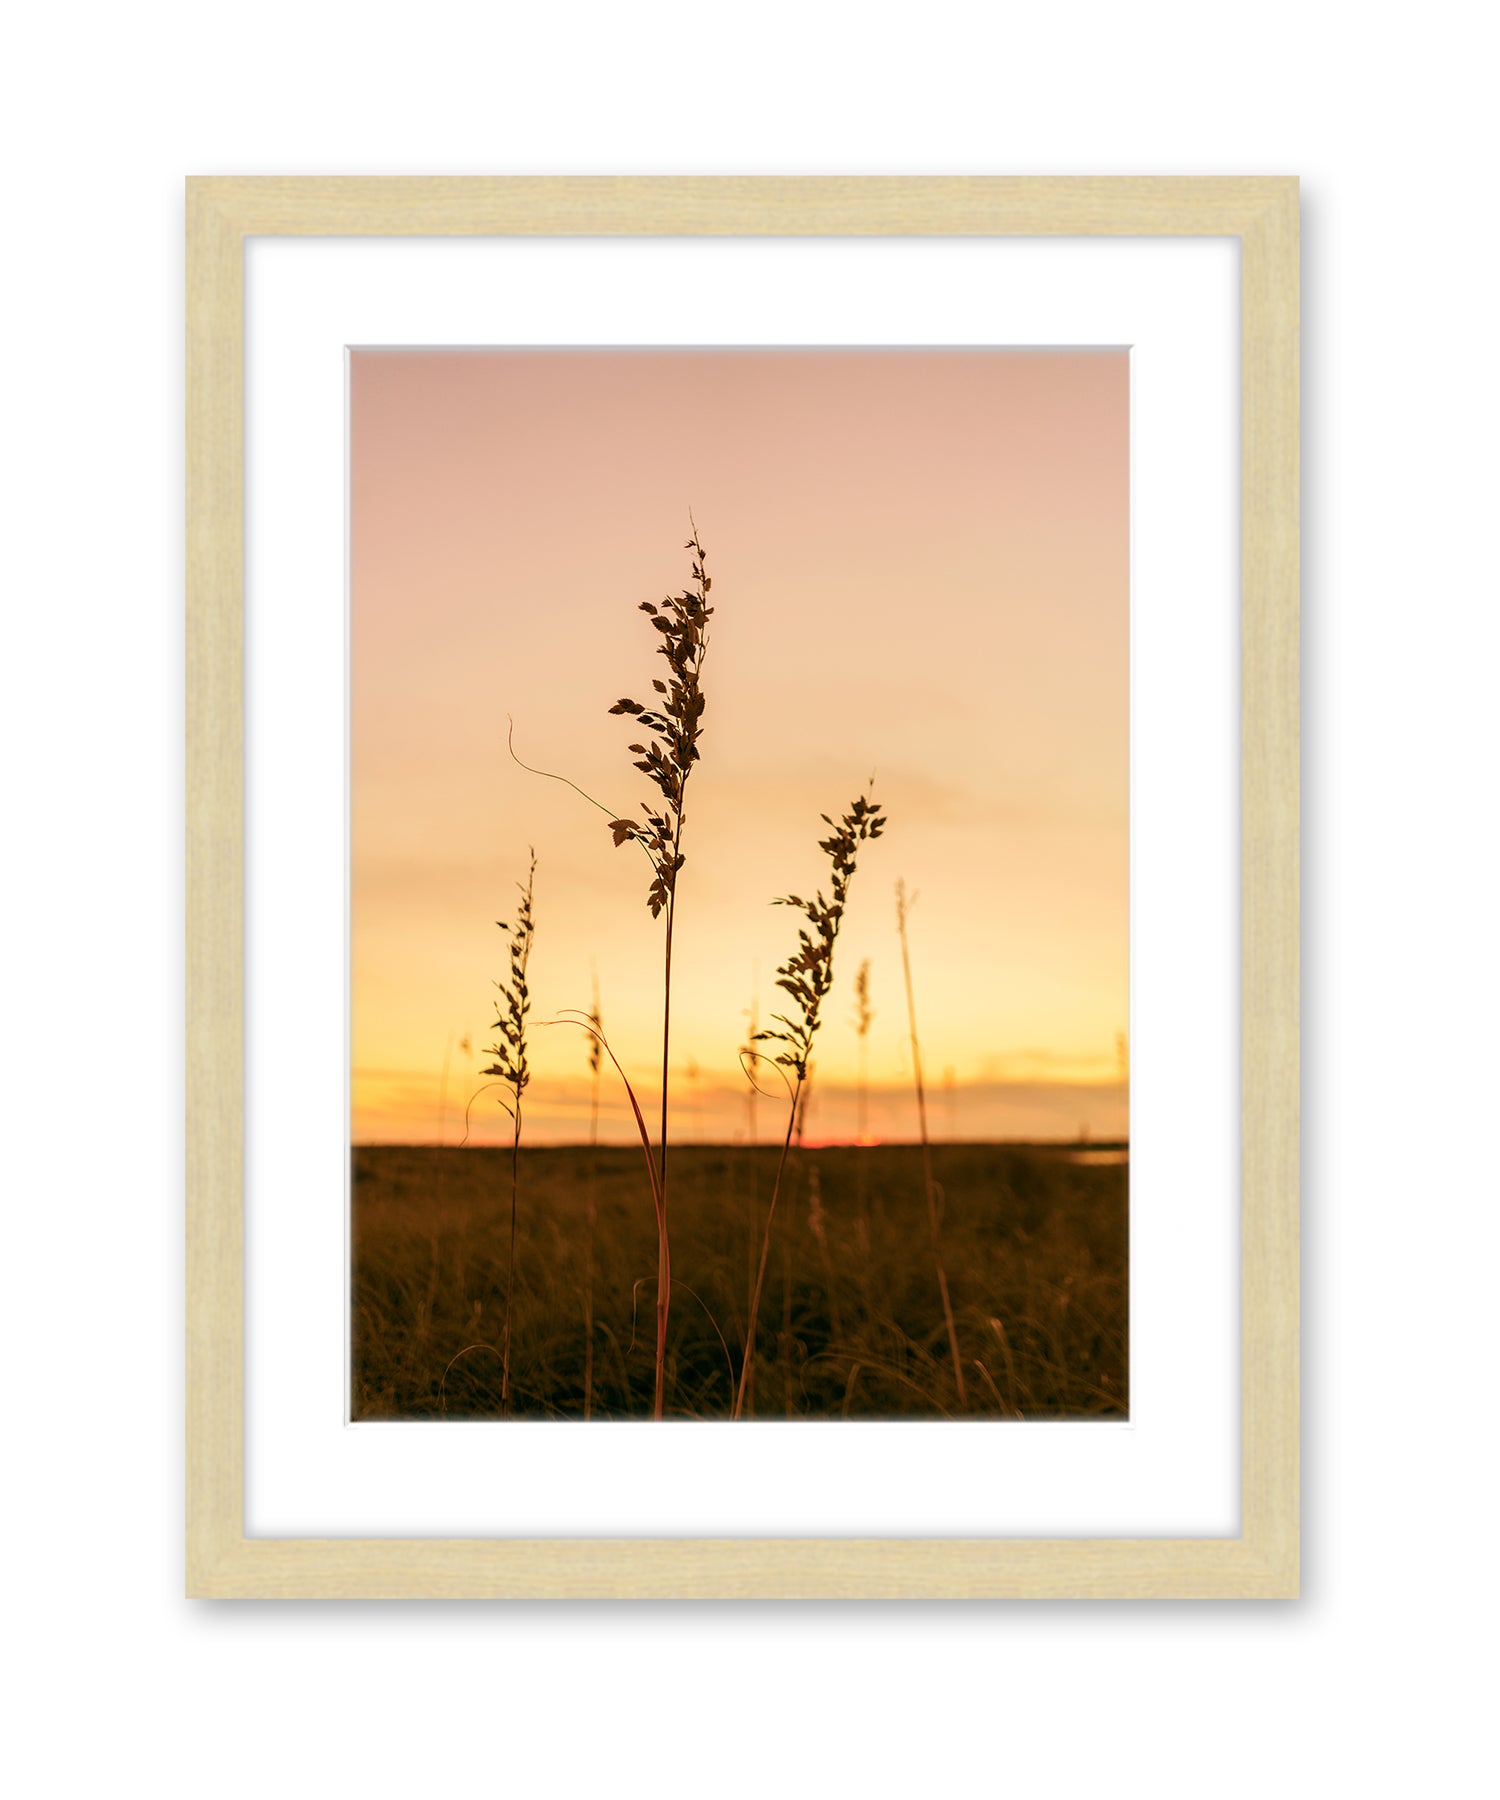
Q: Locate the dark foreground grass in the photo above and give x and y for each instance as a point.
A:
(851, 1322)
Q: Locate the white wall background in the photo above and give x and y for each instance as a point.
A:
(1373, 1683)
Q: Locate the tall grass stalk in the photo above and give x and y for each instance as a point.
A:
(510, 1067)
(864, 1015)
(748, 1054)
(903, 908)
(596, 1032)
(806, 976)
(673, 724)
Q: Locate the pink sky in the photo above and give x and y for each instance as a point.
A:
(920, 564)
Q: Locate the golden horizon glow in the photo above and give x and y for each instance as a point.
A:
(920, 564)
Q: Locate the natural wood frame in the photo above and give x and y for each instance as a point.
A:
(1263, 1562)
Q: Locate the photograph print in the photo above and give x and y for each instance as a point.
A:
(739, 839)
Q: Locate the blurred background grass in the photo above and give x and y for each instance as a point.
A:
(1035, 1241)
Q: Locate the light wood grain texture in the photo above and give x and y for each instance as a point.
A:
(1263, 1562)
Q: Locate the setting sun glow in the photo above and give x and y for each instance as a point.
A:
(920, 572)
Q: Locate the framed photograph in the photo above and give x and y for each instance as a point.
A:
(742, 888)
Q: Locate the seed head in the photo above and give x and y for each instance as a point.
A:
(514, 1000)
(808, 974)
(673, 724)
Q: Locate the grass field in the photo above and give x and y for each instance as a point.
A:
(851, 1326)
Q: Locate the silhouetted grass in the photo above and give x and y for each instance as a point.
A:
(511, 1070)
(806, 978)
(929, 1181)
(1035, 1247)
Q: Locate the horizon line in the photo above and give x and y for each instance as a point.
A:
(835, 1143)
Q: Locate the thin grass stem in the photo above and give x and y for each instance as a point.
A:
(903, 906)
(806, 977)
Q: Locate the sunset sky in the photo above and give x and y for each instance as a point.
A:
(920, 566)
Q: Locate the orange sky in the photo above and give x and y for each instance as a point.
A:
(920, 564)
